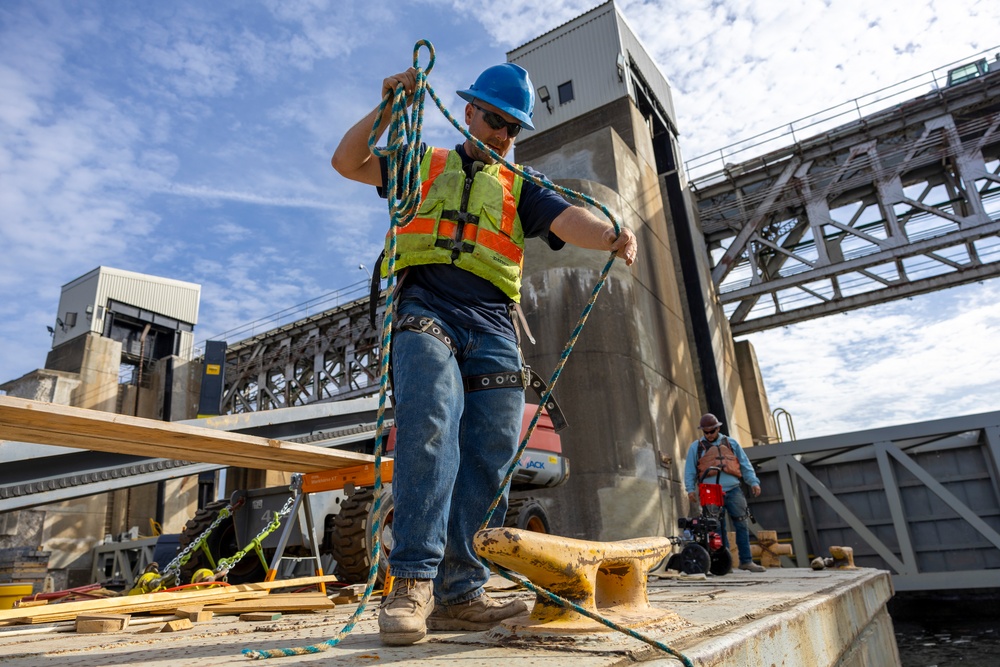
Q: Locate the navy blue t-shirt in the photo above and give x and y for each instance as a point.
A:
(463, 298)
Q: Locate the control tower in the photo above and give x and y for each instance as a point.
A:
(656, 352)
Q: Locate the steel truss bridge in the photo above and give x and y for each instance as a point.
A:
(900, 202)
(332, 355)
(920, 500)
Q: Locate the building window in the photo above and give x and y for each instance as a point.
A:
(565, 92)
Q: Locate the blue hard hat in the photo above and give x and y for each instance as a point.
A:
(508, 88)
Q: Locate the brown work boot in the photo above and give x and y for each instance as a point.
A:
(481, 613)
(751, 567)
(403, 617)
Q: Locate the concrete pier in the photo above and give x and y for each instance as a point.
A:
(788, 617)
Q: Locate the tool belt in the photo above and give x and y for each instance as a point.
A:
(523, 378)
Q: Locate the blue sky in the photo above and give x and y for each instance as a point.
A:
(192, 140)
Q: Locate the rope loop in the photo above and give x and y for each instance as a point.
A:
(416, 55)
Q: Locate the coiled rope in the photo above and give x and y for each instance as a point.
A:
(401, 151)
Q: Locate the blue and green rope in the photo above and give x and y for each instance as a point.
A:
(402, 156)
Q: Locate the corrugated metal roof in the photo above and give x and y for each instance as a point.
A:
(595, 54)
(559, 27)
(173, 298)
(83, 301)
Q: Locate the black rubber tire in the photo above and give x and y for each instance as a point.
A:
(722, 562)
(527, 514)
(222, 543)
(674, 562)
(695, 559)
(351, 539)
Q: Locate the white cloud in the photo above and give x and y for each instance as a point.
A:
(255, 198)
(928, 357)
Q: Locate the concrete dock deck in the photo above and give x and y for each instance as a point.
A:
(783, 617)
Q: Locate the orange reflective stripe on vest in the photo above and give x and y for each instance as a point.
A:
(509, 205)
(439, 158)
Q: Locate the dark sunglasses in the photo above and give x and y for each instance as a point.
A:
(710, 431)
(496, 121)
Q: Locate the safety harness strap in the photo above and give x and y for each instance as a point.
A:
(494, 380)
(555, 412)
(526, 378)
(374, 290)
(428, 326)
(523, 379)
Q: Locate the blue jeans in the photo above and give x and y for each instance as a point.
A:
(452, 452)
(736, 507)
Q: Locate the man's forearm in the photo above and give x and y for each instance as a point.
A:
(353, 158)
(580, 227)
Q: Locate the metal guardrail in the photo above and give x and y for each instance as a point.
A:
(268, 323)
(920, 500)
(713, 162)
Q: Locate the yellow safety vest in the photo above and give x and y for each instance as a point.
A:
(472, 225)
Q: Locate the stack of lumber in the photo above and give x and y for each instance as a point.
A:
(190, 605)
(24, 565)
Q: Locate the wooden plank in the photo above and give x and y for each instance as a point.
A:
(102, 622)
(70, 626)
(261, 616)
(275, 602)
(177, 625)
(298, 582)
(22, 604)
(194, 614)
(49, 424)
(152, 602)
(126, 604)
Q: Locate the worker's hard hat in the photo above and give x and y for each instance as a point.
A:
(508, 88)
(708, 421)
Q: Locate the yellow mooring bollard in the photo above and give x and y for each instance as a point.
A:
(608, 578)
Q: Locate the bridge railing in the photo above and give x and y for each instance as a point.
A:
(268, 323)
(777, 142)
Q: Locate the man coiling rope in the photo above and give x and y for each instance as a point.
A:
(459, 220)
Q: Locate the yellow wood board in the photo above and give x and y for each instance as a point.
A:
(275, 602)
(125, 604)
(151, 602)
(25, 420)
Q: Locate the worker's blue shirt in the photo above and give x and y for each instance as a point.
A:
(727, 481)
(463, 298)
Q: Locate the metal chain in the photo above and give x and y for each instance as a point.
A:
(173, 568)
(226, 564)
(172, 571)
